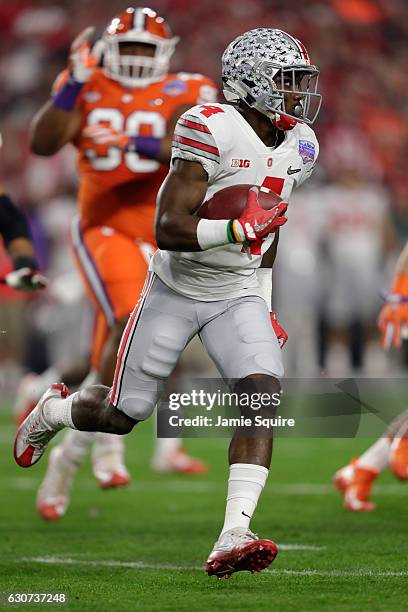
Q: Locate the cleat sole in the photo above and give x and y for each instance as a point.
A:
(254, 557)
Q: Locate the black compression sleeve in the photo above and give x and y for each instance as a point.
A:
(13, 223)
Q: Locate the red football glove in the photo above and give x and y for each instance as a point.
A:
(281, 335)
(255, 222)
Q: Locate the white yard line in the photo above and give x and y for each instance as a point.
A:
(25, 483)
(169, 567)
(364, 573)
(291, 547)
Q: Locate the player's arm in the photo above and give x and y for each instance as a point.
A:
(52, 128)
(178, 229)
(17, 240)
(180, 196)
(59, 121)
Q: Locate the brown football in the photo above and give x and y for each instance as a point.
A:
(228, 203)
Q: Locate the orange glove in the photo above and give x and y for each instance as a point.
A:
(103, 136)
(393, 318)
(81, 62)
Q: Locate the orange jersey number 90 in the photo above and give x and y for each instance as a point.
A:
(131, 125)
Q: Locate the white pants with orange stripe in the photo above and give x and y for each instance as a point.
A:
(236, 333)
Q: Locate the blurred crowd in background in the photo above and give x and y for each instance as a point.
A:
(345, 228)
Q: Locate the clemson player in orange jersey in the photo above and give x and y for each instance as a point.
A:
(120, 117)
(356, 479)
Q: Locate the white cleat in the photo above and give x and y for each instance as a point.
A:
(240, 550)
(53, 496)
(34, 433)
(355, 483)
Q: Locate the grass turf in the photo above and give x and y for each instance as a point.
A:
(165, 527)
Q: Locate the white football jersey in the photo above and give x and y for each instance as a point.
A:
(222, 141)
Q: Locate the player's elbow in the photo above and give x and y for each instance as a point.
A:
(41, 146)
(163, 241)
(164, 233)
(46, 134)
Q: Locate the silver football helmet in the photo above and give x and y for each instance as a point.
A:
(261, 66)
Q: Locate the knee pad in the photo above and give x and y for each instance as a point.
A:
(162, 356)
(137, 406)
(139, 400)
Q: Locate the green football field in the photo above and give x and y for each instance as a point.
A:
(144, 548)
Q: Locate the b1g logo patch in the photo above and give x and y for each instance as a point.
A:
(240, 163)
(307, 151)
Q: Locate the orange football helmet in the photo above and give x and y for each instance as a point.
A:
(138, 25)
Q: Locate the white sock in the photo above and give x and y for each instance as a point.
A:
(245, 484)
(76, 444)
(376, 457)
(107, 443)
(165, 446)
(57, 412)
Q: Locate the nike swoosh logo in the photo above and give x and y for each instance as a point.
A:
(246, 515)
(293, 170)
(259, 228)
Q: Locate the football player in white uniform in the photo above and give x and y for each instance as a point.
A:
(202, 280)
(356, 479)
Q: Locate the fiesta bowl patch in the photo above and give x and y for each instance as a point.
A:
(307, 151)
(175, 88)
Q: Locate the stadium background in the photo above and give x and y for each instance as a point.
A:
(337, 253)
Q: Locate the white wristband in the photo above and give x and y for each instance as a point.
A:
(264, 276)
(212, 233)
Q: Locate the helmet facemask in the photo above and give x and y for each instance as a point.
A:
(297, 80)
(137, 70)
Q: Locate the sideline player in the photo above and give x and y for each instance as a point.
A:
(15, 232)
(120, 117)
(16, 236)
(356, 480)
(201, 280)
